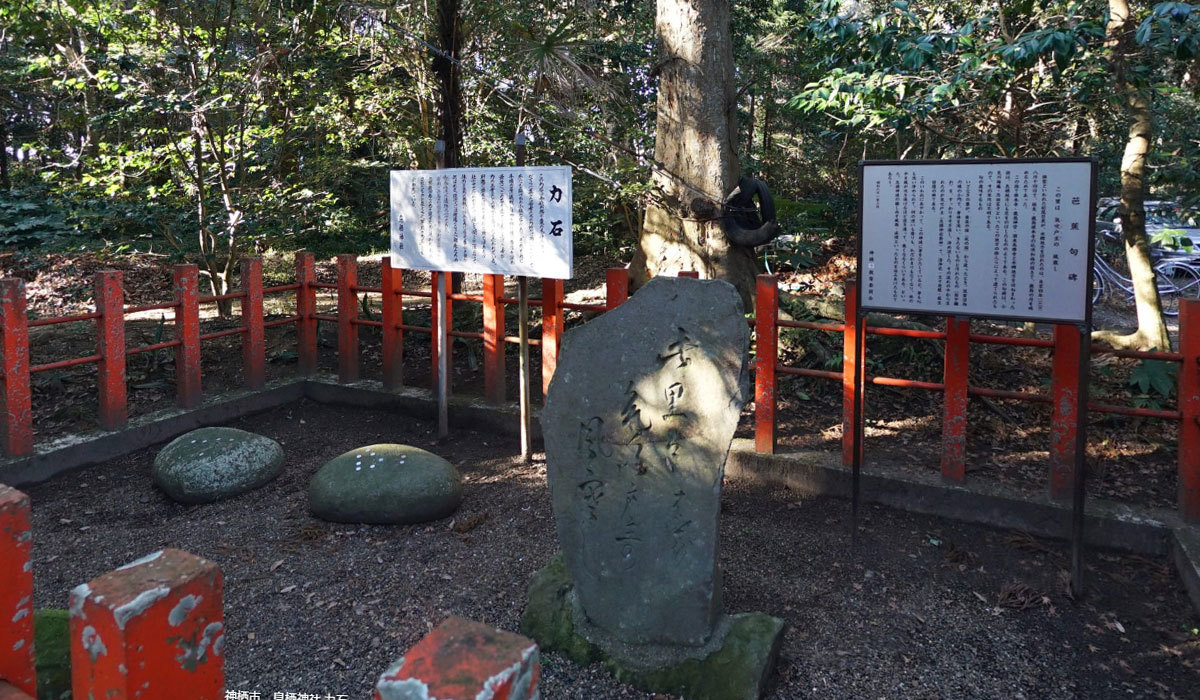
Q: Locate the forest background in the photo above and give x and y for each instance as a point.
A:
(208, 128)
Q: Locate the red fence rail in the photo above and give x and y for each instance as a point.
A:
(16, 421)
(1066, 346)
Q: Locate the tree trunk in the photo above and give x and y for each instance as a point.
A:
(694, 147)
(1151, 331)
(449, 109)
(5, 179)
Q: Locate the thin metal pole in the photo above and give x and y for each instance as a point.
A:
(443, 330)
(523, 336)
(856, 460)
(1080, 492)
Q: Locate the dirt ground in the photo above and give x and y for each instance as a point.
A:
(922, 608)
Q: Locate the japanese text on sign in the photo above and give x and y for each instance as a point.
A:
(977, 239)
(514, 221)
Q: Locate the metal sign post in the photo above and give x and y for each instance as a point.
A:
(523, 337)
(442, 330)
(986, 238)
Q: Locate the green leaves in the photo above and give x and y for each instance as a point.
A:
(1157, 376)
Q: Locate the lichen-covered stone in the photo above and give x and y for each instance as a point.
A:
(737, 668)
(385, 484)
(638, 422)
(211, 464)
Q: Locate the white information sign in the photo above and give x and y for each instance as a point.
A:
(1007, 239)
(512, 221)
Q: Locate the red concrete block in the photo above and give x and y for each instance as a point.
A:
(1064, 414)
(464, 660)
(954, 406)
(8, 692)
(616, 287)
(493, 338)
(306, 307)
(151, 629)
(16, 592)
(1189, 410)
(393, 318)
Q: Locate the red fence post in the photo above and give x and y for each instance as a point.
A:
(254, 346)
(1064, 413)
(954, 403)
(16, 593)
(188, 385)
(347, 313)
(434, 280)
(766, 357)
(552, 328)
(393, 316)
(849, 366)
(1189, 410)
(306, 306)
(110, 346)
(616, 287)
(17, 430)
(493, 338)
(153, 628)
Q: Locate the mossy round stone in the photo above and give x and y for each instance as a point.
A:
(385, 485)
(210, 464)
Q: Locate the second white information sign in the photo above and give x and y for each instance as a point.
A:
(512, 221)
(1008, 239)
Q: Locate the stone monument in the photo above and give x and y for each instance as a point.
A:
(637, 424)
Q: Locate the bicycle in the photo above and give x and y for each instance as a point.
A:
(1176, 278)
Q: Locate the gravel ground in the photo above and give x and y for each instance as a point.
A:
(923, 608)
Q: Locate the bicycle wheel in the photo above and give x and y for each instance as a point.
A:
(1098, 285)
(1176, 280)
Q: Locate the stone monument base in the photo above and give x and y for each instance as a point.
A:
(734, 665)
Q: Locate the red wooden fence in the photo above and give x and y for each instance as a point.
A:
(1067, 349)
(16, 423)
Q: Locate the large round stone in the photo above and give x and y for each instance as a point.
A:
(210, 464)
(384, 485)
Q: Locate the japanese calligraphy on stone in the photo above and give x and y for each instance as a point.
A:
(637, 424)
(977, 239)
(513, 221)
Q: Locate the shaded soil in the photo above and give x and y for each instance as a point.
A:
(922, 608)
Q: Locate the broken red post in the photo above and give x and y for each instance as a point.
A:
(186, 284)
(14, 345)
(849, 367)
(306, 307)
(954, 404)
(552, 328)
(393, 316)
(616, 287)
(347, 314)
(1189, 410)
(766, 358)
(493, 338)
(1064, 411)
(16, 591)
(110, 346)
(464, 659)
(254, 346)
(434, 280)
(153, 628)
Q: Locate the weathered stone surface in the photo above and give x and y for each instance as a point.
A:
(385, 484)
(210, 464)
(734, 666)
(637, 426)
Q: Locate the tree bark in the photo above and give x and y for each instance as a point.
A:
(1151, 331)
(694, 148)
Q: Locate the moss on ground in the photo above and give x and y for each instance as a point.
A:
(52, 653)
(738, 670)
